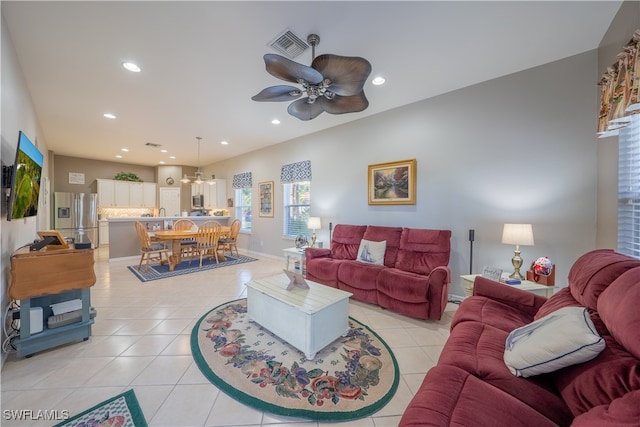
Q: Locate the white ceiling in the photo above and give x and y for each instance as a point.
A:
(202, 61)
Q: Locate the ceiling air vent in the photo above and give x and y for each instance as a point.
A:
(289, 44)
(151, 144)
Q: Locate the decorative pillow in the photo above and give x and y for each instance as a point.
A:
(562, 338)
(371, 252)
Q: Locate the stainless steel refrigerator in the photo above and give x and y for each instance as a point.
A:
(76, 215)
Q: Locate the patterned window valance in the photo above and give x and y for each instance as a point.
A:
(295, 172)
(619, 89)
(242, 180)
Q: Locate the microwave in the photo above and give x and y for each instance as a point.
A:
(197, 201)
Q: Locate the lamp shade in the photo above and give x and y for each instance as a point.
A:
(314, 223)
(517, 234)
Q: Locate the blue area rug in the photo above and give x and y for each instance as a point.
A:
(157, 271)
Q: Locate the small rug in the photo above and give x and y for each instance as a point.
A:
(157, 271)
(351, 378)
(122, 410)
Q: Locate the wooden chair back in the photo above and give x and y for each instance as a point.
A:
(184, 224)
(235, 229)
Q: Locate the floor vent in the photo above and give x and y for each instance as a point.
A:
(151, 144)
(289, 44)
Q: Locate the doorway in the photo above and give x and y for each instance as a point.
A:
(170, 200)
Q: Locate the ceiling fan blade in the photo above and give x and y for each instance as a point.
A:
(291, 71)
(344, 104)
(348, 74)
(302, 110)
(278, 93)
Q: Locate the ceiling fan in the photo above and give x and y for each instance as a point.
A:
(333, 83)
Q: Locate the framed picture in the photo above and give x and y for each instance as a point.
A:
(57, 241)
(265, 190)
(393, 183)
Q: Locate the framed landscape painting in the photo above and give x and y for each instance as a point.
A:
(393, 183)
(265, 191)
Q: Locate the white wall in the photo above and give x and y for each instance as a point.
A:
(18, 114)
(520, 148)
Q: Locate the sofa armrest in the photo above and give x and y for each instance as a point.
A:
(525, 301)
(311, 253)
(623, 411)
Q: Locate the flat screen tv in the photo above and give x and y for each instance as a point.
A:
(25, 180)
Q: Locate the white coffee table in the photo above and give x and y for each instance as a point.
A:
(308, 319)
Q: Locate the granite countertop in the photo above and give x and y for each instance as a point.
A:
(162, 218)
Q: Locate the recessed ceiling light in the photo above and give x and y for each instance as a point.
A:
(378, 81)
(131, 67)
(118, 156)
(224, 142)
(275, 121)
(124, 149)
(172, 157)
(161, 162)
(163, 151)
(109, 116)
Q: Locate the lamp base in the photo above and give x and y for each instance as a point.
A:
(516, 261)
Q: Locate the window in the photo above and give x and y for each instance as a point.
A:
(629, 188)
(242, 183)
(297, 203)
(243, 207)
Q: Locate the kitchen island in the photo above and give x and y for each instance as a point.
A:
(123, 240)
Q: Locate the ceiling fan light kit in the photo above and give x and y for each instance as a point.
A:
(333, 83)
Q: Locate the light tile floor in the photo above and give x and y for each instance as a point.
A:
(141, 340)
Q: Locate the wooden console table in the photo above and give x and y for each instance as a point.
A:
(45, 277)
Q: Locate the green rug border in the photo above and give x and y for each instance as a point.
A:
(132, 404)
(279, 410)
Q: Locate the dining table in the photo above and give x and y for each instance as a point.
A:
(177, 236)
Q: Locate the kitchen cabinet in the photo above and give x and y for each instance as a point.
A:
(121, 194)
(149, 194)
(216, 196)
(214, 193)
(125, 194)
(106, 193)
(103, 229)
(142, 194)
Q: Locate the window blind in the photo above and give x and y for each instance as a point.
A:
(629, 188)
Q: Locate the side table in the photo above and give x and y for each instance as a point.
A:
(525, 285)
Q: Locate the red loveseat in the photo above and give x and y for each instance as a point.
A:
(472, 386)
(412, 280)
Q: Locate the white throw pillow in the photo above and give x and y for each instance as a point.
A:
(563, 338)
(372, 252)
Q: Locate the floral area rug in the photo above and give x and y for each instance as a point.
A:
(157, 271)
(122, 410)
(351, 378)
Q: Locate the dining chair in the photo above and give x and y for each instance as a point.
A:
(207, 242)
(228, 243)
(187, 246)
(150, 250)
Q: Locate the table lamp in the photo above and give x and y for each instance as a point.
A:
(517, 234)
(313, 224)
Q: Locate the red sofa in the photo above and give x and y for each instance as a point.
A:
(472, 386)
(413, 280)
